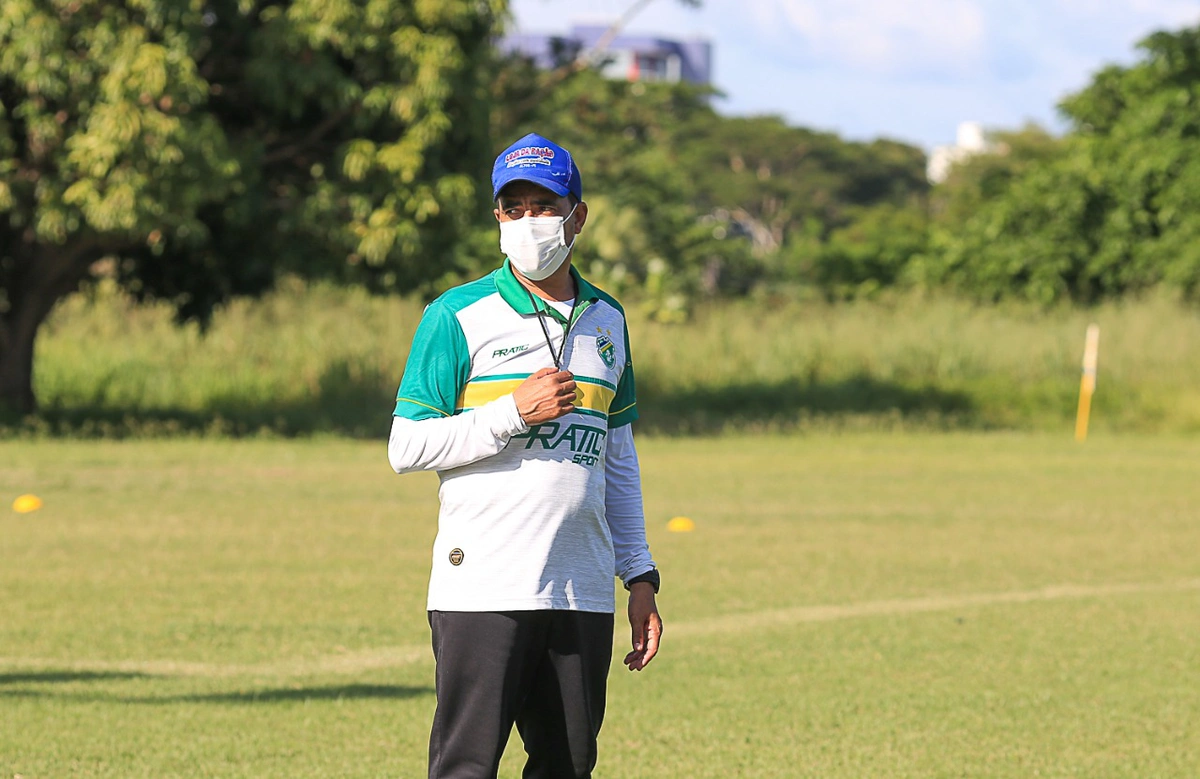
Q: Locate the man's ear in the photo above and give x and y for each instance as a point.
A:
(581, 214)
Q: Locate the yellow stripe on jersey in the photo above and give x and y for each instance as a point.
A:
(477, 393)
(592, 397)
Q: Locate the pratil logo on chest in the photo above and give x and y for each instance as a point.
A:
(510, 351)
(585, 442)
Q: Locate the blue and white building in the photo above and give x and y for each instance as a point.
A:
(629, 57)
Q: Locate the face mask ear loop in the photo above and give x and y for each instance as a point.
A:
(571, 245)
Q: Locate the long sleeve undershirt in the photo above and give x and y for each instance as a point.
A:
(623, 505)
(442, 443)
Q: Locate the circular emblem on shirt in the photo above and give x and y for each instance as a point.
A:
(456, 556)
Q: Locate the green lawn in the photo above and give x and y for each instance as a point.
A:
(979, 605)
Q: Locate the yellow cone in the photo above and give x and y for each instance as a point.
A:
(27, 504)
(681, 525)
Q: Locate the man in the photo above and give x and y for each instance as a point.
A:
(519, 392)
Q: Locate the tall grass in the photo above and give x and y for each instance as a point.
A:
(302, 359)
(921, 360)
(313, 358)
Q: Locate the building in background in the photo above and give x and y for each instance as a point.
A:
(630, 57)
(970, 140)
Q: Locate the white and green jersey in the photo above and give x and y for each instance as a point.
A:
(531, 518)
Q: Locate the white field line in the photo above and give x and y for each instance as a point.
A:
(728, 623)
(340, 663)
(394, 657)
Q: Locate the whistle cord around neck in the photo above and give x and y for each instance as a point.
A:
(541, 315)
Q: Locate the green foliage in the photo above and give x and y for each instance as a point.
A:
(1110, 210)
(210, 146)
(782, 176)
(872, 252)
(1028, 242)
(981, 177)
(325, 137)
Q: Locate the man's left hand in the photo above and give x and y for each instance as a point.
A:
(646, 625)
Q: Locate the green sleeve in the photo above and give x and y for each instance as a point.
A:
(624, 405)
(437, 369)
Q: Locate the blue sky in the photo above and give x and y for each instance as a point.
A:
(904, 69)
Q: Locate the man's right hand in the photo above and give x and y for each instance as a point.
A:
(547, 394)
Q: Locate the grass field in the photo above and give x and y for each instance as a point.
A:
(854, 605)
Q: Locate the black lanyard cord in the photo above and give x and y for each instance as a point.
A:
(541, 315)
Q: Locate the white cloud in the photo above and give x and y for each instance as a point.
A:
(951, 40)
(885, 36)
(1170, 12)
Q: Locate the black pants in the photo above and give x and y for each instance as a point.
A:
(547, 671)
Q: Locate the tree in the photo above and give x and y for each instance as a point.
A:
(207, 147)
(1139, 130)
(986, 175)
(1112, 209)
(871, 252)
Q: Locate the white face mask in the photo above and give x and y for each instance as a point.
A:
(535, 244)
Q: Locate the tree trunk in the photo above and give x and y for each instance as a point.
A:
(36, 286)
(16, 370)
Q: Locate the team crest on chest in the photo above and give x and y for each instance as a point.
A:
(606, 350)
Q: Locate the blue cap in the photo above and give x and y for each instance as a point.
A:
(538, 160)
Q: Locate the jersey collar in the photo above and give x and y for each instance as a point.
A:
(515, 294)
